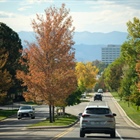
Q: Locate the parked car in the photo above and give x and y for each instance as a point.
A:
(97, 119)
(84, 95)
(26, 111)
(98, 96)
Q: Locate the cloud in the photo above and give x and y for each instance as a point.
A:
(3, 0)
(92, 15)
(135, 4)
(18, 22)
(24, 8)
(106, 19)
(6, 15)
(38, 1)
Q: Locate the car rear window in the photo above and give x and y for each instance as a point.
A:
(97, 111)
(98, 95)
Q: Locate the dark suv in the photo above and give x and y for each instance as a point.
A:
(98, 96)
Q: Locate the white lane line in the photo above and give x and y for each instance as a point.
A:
(119, 136)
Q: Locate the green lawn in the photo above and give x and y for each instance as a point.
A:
(6, 113)
(131, 109)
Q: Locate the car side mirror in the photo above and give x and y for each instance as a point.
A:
(79, 115)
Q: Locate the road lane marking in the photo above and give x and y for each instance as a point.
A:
(62, 134)
(119, 136)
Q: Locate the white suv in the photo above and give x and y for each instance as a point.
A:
(97, 119)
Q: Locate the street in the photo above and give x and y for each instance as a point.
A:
(13, 129)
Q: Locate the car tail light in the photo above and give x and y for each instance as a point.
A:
(85, 115)
(110, 116)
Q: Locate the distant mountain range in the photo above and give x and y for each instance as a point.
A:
(87, 45)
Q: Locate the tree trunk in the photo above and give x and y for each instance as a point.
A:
(63, 110)
(128, 104)
(137, 107)
(53, 117)
(50, 113)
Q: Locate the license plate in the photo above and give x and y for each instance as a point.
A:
(96, 122)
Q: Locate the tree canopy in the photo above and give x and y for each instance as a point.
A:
(11, 43)
(51, 59)
(86, 74)
(5, 77)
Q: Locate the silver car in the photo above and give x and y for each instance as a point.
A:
(97, 119)
(26, 111)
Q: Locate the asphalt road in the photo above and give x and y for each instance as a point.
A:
(13, 129)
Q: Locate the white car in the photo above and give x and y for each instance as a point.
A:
(26, 111)
(97, 119)
(100, 90)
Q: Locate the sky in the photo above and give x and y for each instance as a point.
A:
(88, 15)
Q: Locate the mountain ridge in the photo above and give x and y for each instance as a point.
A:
(87, 44)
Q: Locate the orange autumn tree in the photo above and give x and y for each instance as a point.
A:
(50, 61)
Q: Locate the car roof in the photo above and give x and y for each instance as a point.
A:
(26, 106)
(97, 106)
(100, 89)
(97, 93)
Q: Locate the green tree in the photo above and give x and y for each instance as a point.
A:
(10, 41)
(113, 75)
(130, 52)
(100, 84)
(5, 77)
(100, 65)
(126, 83)
(74, 98)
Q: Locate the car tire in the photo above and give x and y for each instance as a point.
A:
(82, 134)
(113, 134)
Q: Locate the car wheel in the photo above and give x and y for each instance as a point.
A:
(113, 134)
(82, 134)
(33, 117)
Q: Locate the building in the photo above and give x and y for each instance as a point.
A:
(110, 53)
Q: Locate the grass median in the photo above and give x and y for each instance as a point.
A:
(63, 120)
(130, 109)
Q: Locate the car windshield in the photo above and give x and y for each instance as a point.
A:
(25, 107)
(97, 111)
